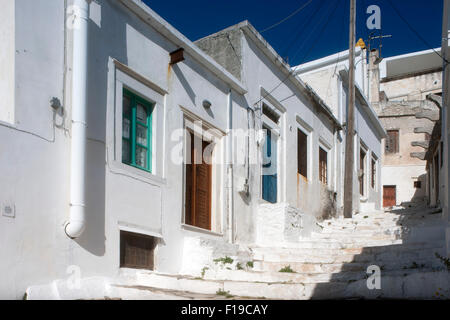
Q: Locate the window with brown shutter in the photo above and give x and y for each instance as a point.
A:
(392, 143)
(323, 166)
(373, 173)
(362, 167)
(137, 250)
(302, 153)
(198, 184)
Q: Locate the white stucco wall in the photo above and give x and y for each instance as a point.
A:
(7, 61)
(299, 113)
(35, 168)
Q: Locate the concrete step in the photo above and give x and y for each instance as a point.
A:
(353, 237)
(308, 243)
(215, 287)
(335, 267)
(360, 229)
(236, 284)
(346, 255)
(289, 251)
(303, 278)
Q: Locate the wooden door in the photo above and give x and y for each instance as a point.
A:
(362, 178)
(389, 196)
(198, 186)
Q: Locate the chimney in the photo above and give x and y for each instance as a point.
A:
(374, 76)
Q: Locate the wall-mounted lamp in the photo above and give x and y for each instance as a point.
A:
(55, 103)
(206, 104)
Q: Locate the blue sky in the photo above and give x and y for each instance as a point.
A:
(308, 36)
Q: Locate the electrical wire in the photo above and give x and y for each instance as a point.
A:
(291, 72)
(302, 28)
(415, 32)
(287, 18)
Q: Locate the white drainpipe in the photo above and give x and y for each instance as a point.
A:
(77, 221)
(230, 169)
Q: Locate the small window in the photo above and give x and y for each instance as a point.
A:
(392, 145)
(302, 153)
(137, 131)
(271, 114)
(373, 173)
(417, 184)
(137, 250)
(323, 159)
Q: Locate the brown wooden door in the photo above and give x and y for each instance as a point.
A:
(362, 162)
(389, 196)
(198, 186)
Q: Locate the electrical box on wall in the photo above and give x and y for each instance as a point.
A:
(8, 210)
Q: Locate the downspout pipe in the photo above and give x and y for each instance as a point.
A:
(230, 169)
(77, 220)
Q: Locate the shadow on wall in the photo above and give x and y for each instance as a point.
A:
(99, 50)
(410, 269)
(420, 195)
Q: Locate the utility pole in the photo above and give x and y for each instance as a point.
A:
(349, 141)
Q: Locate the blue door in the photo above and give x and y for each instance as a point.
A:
(269, 168)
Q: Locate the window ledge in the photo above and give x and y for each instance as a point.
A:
(200, 230)
(136, 173)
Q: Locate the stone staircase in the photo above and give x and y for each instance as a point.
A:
(330, 264)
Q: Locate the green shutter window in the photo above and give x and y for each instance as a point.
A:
(137, 131)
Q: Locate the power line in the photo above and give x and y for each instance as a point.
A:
(328, 19)
(305, 56)
(287, 18)
(301, 27)
(337, 59)
(415, 32)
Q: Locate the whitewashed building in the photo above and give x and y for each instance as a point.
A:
(125, 145)
(328, 76)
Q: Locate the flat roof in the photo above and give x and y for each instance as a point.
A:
(410, 63)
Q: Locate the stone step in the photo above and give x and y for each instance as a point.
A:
(308, 243)
(360, 229)
(427, 247)
(346, 255)
(353, 237)
(416, 284)
(420, 283)
(303, 278)
(313, 287)
(215, 287)
(335, 267)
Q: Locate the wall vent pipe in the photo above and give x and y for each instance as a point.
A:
(77, 220)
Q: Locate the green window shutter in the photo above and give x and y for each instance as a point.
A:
(137, 131)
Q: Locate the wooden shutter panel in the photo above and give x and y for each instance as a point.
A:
(323, 165)
(302, 153)
(189, 167)
(392, 141)
(203, 192)
(198, 188)
(137, 250)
